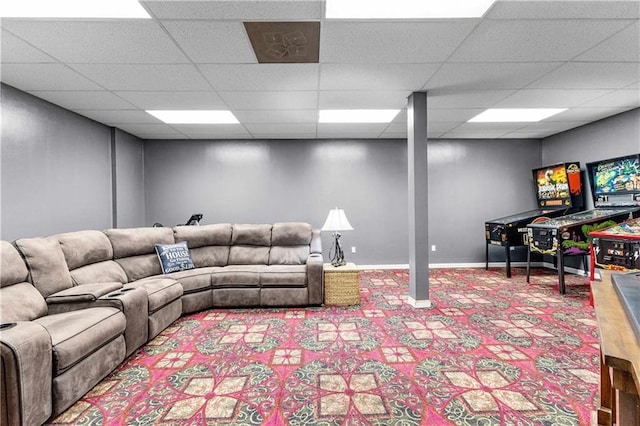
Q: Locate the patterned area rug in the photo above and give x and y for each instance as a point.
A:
(493, 351)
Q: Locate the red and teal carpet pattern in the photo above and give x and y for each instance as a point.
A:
(493, 351)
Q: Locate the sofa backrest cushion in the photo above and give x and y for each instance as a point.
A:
(89, 256)
(290, 243)
(248, 255)
(135, 251)
(84, 247)
(206, 235)
(48, 271)
(135, 241)
(250, 244)
(12, 267)
(251, 234)
(291, 234)
(19, 300)
(208, 244)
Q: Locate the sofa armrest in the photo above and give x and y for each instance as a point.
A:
(79, 297)
(26, 356)
(315, 278)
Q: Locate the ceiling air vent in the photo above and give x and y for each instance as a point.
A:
(285, 42)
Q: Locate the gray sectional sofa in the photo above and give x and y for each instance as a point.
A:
(73, 306)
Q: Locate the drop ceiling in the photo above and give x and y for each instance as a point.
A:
(580, 55)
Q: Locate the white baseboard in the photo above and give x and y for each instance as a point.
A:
(419, 303)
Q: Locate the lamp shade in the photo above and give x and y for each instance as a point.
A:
(337, 221)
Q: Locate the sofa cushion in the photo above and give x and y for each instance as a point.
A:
(48, 271)
(100, 272)
(205, 235)
(248, 255)
(160, 290)
(12, 267)
(77, 334)
(288, 255)
(139, 267)
(194, 280)
(136, 241)
(237, 276)
(174, 257)
(291, 234)
(84, 247)
(21, 302)
(251, 234)
(283, 276)
(210, 256)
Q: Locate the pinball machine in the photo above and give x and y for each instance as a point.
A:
(558, 190)
(615, 186)
(617, 248)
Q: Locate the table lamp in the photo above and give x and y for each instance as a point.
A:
(336, 221)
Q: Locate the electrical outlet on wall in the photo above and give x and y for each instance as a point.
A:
(433, 247)
(353, 250)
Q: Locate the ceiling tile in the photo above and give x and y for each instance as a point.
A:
(281, 128)
(527, 135)
(391, 77)
(551, 126)
(211, 41)
(549, 98)
(277, 116)
(98, 41)
(585, 114)
(482, 127)
(151, 136)
(29, 77)
(144, 77)
(350, 128)
(211, 130)
(199, 99)
(270, 100)
(587, 9)
(271, 136)
(451, 115)
(538, 40)
(74, 100)
(392, 42)
(474, 134)
(370, 99)
(590, 75)
(120, 116)
(618, 98)
(449, 99)
(482, 76)
(149, 129)
(14, 49)
(282, 10)
(262, 76)
(622, 47)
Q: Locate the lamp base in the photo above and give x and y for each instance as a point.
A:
(335, 253)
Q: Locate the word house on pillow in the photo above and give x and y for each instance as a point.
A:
(174, 257)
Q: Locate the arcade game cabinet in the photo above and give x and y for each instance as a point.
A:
(559, 192)
(615, 186)
(617, 248)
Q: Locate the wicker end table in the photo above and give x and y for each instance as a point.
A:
(341, 285)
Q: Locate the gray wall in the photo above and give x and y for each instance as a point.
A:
(282, 180)
(129, 180)
(55, 169)
(470, 181)
(612, 137)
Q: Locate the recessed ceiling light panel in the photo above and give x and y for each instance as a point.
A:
(406, 9)
(72, 9)
(357, 115)
(514, 115)
(194, 116)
